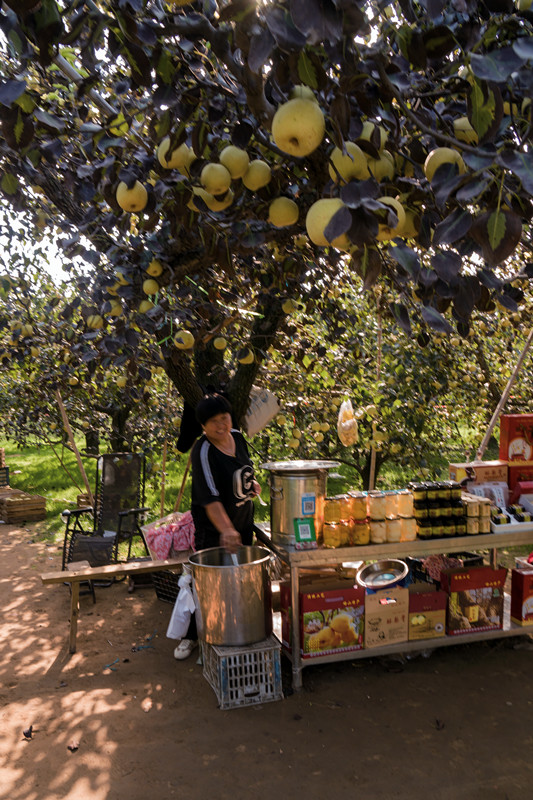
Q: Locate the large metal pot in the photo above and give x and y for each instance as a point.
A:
(234, 602)
(297, 492)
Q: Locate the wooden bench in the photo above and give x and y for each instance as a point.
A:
(80, 571)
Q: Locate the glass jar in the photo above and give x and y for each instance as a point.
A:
(378, 531)
(448, 527)
(484, 525)
(358, 505)
(444, 490)
(393, 529)
(405, 503)
(472, 525)
(445, 509)
(472, 507)
(360, 532)
(432, 490)
(455, 490)
(331, 534)
(408, 529)
(460, 526)
(391, 504)
(344, 532)
(433, 510)
(332, 509)
(423, 529)
(377, 505)
(458, 509)
(420, 511)
(437, 528)
(345, 506)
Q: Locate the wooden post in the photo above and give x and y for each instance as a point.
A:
(70, 435)
(372, 476)
(164, 461)
(503, 399)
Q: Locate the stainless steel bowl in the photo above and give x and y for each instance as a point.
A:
(382, 574)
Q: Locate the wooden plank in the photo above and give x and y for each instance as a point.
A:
(128, 568)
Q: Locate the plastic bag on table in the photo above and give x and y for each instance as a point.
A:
(347, 429)
(183, 609)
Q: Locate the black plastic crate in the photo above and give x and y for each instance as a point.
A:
(418, 572)
(166, 585)
(4, 476)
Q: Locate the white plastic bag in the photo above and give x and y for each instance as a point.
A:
(264, 405)
(183, 608)
(347, 428)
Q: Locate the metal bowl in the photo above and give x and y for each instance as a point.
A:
(382, 574)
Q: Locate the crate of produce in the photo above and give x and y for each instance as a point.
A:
(4, 476)
(244, 676)
(21, 507)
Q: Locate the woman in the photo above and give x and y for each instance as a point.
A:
(223, 486)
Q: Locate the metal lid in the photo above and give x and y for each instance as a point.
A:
(299, 466)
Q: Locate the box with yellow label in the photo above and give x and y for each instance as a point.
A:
(475, 599)
(479, 471)
(427, 614)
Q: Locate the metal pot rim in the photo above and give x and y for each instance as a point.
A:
(301, 465)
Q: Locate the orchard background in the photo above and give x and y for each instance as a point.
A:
(395, 271)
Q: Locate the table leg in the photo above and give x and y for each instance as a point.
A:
(74, 614)
(295, 633)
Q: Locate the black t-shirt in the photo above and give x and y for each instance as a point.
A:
(217, 477)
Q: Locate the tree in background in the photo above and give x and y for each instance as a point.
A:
(216, 162)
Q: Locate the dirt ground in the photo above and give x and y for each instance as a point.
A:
(122, 719)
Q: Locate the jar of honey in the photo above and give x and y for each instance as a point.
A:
(404, 500)
(393, 529)
(408, 529)
(332, 509)
(378, 531)
(358, 505)
(331, 534)
(377, 505)
(360, 532)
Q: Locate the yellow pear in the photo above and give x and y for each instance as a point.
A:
(385, 232)
(464, 131)
(121, 381)
(116, 309)
(211, 202)
(154, 268)
(317, 219)
(247, 357)
(368, 130)
(439, 156)
(95, 321)
(283, 212)
(181, 158)
(215, 179)
(350, 165)
(145, 305)
(302, 91)
(257, 175)
(150, 286)
(220, 343)
(298, 127)
(134, 199)
(382, 167)
(235, 160)
(184, 339)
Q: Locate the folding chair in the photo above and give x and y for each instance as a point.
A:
(104, 534)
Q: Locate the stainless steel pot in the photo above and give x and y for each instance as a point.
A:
(234, 602)
(297, 491)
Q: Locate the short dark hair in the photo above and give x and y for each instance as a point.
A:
(210, 405)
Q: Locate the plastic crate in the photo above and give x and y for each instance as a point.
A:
(4, 476)
(244, 676)
(166, 585)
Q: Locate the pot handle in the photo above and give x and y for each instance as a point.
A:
(274, 567)
(276, 492)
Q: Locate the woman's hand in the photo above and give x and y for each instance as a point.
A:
(256, 487)
(230, 540)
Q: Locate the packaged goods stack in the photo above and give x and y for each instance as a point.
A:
(357, 518)
(438, 509)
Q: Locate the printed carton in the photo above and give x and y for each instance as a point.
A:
(475, 599)
(386, 617)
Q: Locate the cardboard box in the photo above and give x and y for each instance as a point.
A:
(386, 617)
(475, 599)
(331, 617)
(519, 472)
(522, 596)
(479, 471)
(516, 437)
(427, 613)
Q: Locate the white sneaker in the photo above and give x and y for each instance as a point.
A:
(184, 649)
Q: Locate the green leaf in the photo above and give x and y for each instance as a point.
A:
(483, 109)
(26, 103)
(496, 228)
(19, 128)
(9, 183)
(306, 71)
